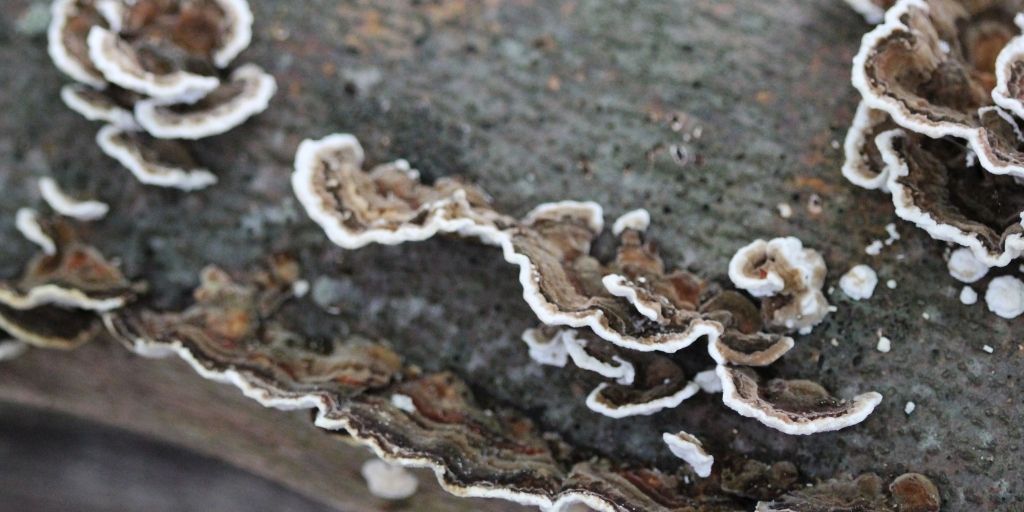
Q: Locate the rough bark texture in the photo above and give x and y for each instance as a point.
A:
(538, 101)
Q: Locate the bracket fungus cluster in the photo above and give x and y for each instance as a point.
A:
(939, 124)
(58, 300)
(156, 72)
(629, 319)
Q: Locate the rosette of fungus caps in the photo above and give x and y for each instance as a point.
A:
(156, 72)
(939, 124)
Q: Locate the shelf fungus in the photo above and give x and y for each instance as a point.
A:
(691, 450)
(57, 300)
(795, 407)
(243, 331)
(60, 202)
(910, 492)
(609, 317)
(164, 163)
(157, 67)
(787, 277)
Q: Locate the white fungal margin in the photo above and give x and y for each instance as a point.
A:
(691, 450)
(642, 409)
(69, 206)
(151, 173)
(27, 223)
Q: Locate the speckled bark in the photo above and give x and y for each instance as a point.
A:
(537, 101)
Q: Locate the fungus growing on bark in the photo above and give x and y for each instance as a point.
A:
(864, 166)
(55, 302)
(69, 206)
(796, 407)
(164, 163)
(236, 333)
(937, 188)
(26, 220)
(659, 384)
(1009, 90)
(246, 93)
(546, 345)
(789, 278)
(691, 450)
(111, 106)
(155, 64)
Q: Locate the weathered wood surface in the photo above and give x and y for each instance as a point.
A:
(538, 101)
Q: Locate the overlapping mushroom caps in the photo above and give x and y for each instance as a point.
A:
(238, 332)
(939, 125)
(624, 319)
(57, 300)
(155, 69)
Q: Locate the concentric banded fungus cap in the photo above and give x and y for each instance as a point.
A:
(931, 65)
(691, 450)
(744, 341)
(935, 186)
(227, 333)
(659, 384)
(864, 166)
(170, 49)
(795, 407)
(112, 105)
(640, 308)
(54, 303)
(245, 94)
(388, 204)
(70, 23)
(1009, 91)
(163, 163)
(789, 278)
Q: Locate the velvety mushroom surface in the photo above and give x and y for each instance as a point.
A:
(453, 94)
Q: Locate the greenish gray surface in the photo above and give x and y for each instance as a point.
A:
(545, 100)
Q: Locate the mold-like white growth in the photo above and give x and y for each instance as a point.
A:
(95, 105)
(637, 220)
(56, 295)
(691, 450)
(245, 94)
(1005, 296)
(68, 206)
(708, 381)
(884, 345)
(619, 411)
(906, 208)
(964, 267)
(236, 33)
(27, 222)
(128, 148)
(782, 266)
(389, 481)
(122, 65)
(619, 369)
(968, 296)
(792, 407)
(60, 39)
(859, 282)
(909, 408)
(1008, 73)
(403, 402)
(546, 348)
